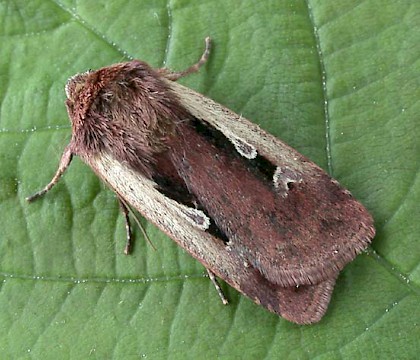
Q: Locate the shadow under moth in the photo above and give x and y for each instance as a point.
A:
(252, 210)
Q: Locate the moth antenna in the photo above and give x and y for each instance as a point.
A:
(125, 209)
(216, 284)
(175, 75)
(64, 164)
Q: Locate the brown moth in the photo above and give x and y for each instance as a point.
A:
(251, 209)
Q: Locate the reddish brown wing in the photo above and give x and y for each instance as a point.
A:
(302, 235)
(308, 226)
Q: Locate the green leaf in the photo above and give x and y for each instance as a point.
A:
(337, 80)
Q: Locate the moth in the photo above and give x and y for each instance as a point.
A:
(254, 211)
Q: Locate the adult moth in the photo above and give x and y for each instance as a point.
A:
(252, 210)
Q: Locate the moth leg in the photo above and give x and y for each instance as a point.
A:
(217, 286)
(175, 75)
(125, 209)
(64, 164)
(129, 243)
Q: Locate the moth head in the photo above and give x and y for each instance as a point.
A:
(75, 84)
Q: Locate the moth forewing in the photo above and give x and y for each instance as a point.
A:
(332, 227)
